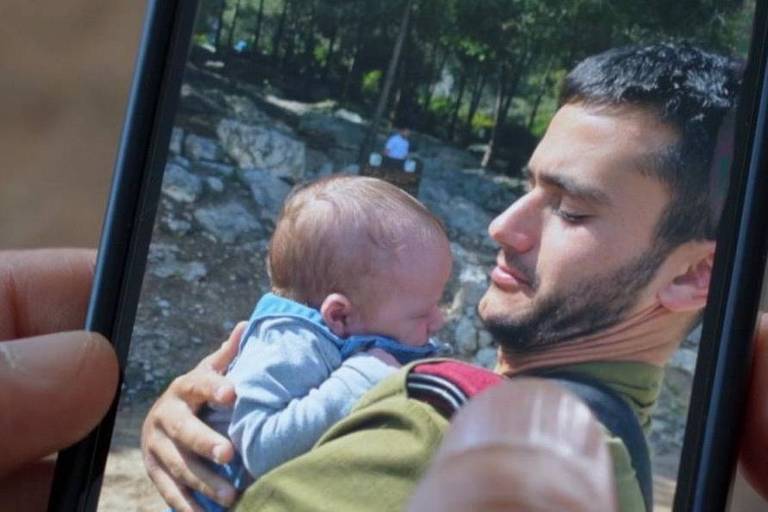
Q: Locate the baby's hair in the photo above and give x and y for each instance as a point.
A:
(336, 233)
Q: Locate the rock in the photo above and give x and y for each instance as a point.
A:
(177, 138)
(692, 340)
(325, 170)
(317, 160)
(215, 184)
(180, 185)
(169, 266)
(464, 219)
(226, 223)
(201, 148)
(178, 227)
(351, 169)
(259, 147)
(267, 190)
(324, 130)
(484, 339)
(473, 283)
(348, 115)
(465, 335)
(216, 168)
(684, 359)
(180, 160)
(245, 110)
(486, 357)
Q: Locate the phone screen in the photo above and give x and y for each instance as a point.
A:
(577, 231)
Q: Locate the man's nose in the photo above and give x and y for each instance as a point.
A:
(518, 226)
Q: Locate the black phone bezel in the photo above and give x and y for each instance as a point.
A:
(717, 402)
(138, 172)
(718, 397)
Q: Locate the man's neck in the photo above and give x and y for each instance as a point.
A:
(649, 336)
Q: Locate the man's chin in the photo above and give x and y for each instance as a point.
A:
(500, 306)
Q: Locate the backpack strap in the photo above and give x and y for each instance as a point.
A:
(617, 416)
(448, 385)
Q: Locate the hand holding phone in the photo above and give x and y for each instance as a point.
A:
(56, 382)
(556, 297)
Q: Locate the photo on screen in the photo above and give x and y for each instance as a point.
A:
(449, 101)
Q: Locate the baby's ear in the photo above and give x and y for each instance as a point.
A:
(336, 309)
(688, 291)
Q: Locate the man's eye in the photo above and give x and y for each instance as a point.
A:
(569, 217)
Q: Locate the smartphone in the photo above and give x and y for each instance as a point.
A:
(235, 103)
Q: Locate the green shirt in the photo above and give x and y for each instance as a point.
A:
(373, 459)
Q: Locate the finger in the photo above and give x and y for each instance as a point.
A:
(44, 291)
(185, 429)
(201, 386)
(172, 493)
(189, 472)
(755, 438)
(28, 488)
(45, 379)
(507, 438)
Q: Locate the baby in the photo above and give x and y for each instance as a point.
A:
(357, 268)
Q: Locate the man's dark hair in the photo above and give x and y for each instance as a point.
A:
(687, 88)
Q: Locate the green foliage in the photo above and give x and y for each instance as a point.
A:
(521, 47)
(372, 82)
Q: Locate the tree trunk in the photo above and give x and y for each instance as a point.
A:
(539, 96)
(497, 115)
(435, 76)
(507, 89)
(353, 63)
(217, 41)
(309, 41)
(457, 106)
(474, 103)
(389, 78)
(233, 26)
(329, 57)
(278, 36)
(257, 32)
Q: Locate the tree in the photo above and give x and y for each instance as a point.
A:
(388, 79)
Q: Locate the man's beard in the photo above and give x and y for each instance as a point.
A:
(589, 306)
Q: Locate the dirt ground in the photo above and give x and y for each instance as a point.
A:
(126, 486)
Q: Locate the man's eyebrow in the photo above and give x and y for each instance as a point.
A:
(569, 186)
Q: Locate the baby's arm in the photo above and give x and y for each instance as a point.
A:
(291, 387)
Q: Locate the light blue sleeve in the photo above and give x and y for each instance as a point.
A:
(291, 387)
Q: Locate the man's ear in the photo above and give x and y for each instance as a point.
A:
(688, 291)
(336, 310)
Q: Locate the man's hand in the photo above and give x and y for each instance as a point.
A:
(56, 383)
(173, 436)
(754, 448)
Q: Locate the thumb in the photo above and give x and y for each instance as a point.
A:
(219, 360)
(53, 390)
(528, 445)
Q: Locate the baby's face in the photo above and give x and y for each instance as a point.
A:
(407, 309)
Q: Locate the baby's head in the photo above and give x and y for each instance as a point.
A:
(366, 254)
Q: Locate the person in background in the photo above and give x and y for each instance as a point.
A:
(397, 148)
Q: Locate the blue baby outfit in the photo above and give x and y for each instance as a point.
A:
(294, 378)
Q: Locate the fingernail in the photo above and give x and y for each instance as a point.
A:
(218, 454)
(225, 494)
(222, 393)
